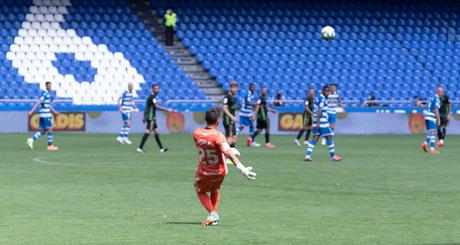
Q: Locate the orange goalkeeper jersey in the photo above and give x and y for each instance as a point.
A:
(212, 149)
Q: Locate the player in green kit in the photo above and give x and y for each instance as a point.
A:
(229, 107)
(444, 113)
(150, 116)
(261, 114)
(307, 117)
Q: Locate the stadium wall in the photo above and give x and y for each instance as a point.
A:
(186, 122)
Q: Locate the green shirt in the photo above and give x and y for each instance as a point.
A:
(170, 19)
(310, 103)
(230, 102)
(262, 114)
(150, 111)
(444, 110)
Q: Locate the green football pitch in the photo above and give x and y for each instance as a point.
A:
(94, 190)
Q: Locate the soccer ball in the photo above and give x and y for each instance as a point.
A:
(236, 152)
(328, 33)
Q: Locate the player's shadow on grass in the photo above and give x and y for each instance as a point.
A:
(183, 223)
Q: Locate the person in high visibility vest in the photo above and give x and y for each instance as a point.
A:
(170, 24)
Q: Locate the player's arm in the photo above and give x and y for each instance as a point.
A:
(162, 108)
(438, 117)
(227, 112)
(271, 110)
(307, 108)
(54, 110)
(449, 110)
(34, 107)
(119, 104)
(246, 171)
(318, 116)
(146, 109)
(254, 117)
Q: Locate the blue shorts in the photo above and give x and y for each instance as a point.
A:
(322, 131)
(126, 116)
(45, 123)
(332, 118)
(246, 121)
(430, 126)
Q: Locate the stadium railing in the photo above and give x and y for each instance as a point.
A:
(376, 106)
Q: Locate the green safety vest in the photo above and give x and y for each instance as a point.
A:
(170, 19)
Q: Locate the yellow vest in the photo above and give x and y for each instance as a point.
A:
(170, 19)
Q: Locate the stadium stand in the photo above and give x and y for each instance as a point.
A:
(395, 50)
(90, 50)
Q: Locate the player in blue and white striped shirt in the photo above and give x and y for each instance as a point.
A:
(126, 106)
(247, 113)
(333, 102)
(46, 118)
(432, 121)
(321, 127)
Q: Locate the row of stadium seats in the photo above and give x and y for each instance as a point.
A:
(384, 45)
(89, 49)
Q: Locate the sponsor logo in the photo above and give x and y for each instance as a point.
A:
(65, 121)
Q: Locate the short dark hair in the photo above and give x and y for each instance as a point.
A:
(46, 84)
(325, 87)
(155, 85)
(333, 84)
(212, 115)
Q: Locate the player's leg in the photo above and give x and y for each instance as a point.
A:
(257, 132)
(127, 130)
(331, 147)
(41, 127)
(299, 135)
(302, 130)
(158, 140)
(148, 130)
(241, 127)
(311, 145)
(233, 138)
(49, 130)
(309, 129)
(267, 135)
(121, 135)
(442, 132)
(209, 202)
(430, 140)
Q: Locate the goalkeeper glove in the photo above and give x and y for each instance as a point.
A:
(246, 171)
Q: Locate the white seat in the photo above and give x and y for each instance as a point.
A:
(38, 40)
(63, 47)
(32, 32)
(51, 32)
(39, 17)
(19, 40)
(102, 48)
(26, 25)
(67, 40)
(76, 41)
(48, 40)
(36, 25)
(53, 9)
(49, 17)
(60, 32)
(30, 17)
(40, 55)
(30, 56)
(43, 9)
(71, 33)
(55, 26)
(11, 55)
(62, 9)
